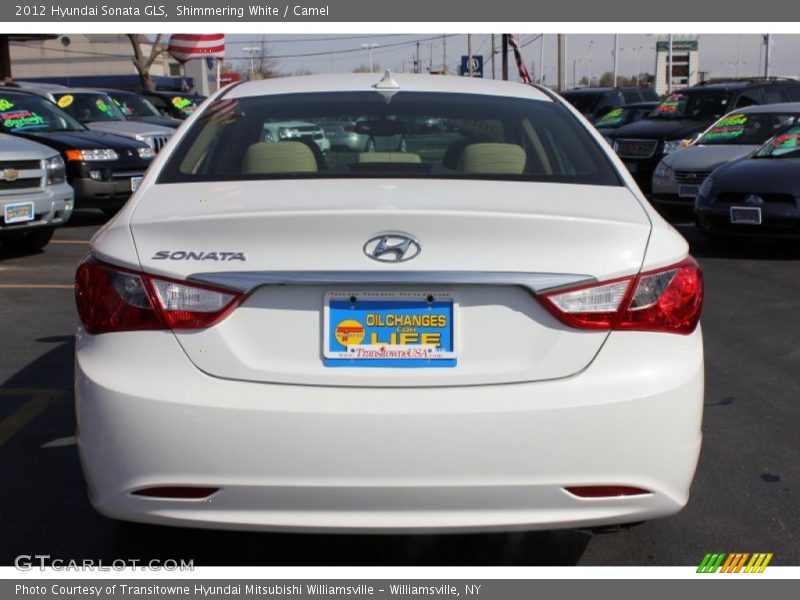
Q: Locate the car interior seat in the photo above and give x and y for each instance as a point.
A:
(279, 157)
(493, 158)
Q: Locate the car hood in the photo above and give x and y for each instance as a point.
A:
(159, 121)
(662, 129)
(129, 128)
(15, 148)
(758, 175)
(82, 140)
(705, 158)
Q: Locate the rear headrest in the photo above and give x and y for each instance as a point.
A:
(389, 157)
(493, 158)
(279, 157)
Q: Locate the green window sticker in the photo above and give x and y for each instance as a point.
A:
(20, 120)
(5, 104)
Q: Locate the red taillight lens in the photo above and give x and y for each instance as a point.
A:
(113, 299)
(668, 299)
(181, 492)
(605, 491)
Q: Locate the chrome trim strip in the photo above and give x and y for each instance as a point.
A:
(246, 281)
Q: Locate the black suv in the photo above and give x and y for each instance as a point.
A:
(687, 112)
(594, 102)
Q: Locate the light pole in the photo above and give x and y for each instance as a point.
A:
(589, 60)
(370, 47)
(252, 51)
(638, 52)
(575, 62)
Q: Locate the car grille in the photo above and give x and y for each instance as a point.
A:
(20, 165)
(691, 177)
(636, 148)
(20, 184)
(157, 142)
(739, 198)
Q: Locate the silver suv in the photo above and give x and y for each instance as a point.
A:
(34, 195)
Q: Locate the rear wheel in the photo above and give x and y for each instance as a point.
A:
(27, 241)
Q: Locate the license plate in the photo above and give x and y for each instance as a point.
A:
(19, 212)
(388, 329)
(746, 215)
(632, 167)
(688, 191)
(135, 181)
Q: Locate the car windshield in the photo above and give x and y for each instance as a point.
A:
(746, 129)
(23, 113)
(89, 107)
(472, 136)
(696, 106)
(585, 102)
(613, 118)
(132, 105)
(785, 144)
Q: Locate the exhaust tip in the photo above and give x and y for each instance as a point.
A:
(606, 491)
(177, 492)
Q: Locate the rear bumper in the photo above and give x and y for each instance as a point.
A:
(780, 221)
(90, 193)
(316, 458)
(52, 207)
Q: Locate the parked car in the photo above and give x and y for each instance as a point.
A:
(103, 169)
(497, 333)
(274, 131)
(136, 107)
(679, 175)
(755, 196)
(98, 111)
(35, 197)
(624, 115)
(594, 102)
(355, 135)
(178, 105)
(685, 114)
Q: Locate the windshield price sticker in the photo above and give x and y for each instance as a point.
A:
(727, 127)
(671, 104)
(611, 118)
(5, 104)
(377, 329)
(66, 100)
(105, 108)
(22, 119)
(184, 105)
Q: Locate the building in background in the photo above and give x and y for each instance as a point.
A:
(685, 63)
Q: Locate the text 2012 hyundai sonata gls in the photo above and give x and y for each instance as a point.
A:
(489, 330)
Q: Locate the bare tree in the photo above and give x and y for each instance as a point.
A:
(142, 62)
(266, 66)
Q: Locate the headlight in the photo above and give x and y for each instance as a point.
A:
(663, 171)
(95, 154)
(146, 152)
(56, 172)
(705, 189)
(672, 145)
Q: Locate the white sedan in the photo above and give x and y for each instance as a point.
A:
(492, 330)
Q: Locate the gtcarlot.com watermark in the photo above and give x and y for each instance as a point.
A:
(28, 562)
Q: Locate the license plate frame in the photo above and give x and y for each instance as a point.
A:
(745, 215)
(363, 315)
(135, 183)
(688, 191)
(19, 212)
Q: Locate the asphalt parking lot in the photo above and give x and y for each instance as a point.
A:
(744, 497)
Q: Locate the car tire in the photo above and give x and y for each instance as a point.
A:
(28, 241)
(370, 147)
(402, 146)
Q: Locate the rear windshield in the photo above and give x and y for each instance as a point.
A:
(132, 105)
(407, 134)
(89, 107)
(786, 144)
(22, 113)
(697, 106)
(746, 129)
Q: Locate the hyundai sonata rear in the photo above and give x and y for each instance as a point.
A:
(487, 329)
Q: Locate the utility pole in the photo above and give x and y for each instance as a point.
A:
(767, 44)
(541, 62)
(505, 56)
(492, 56)
(444, 54)
(669, 66)
(469, 54)
(430, 63)
(370, 47)
(616, 52)
(561, 58)
(416, 63)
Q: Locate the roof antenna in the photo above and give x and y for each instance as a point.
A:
(387, 86)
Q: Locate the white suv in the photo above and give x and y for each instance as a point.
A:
(34, 195)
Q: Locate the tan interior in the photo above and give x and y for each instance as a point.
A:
(389, 157)
(493, 158)
(279, 157)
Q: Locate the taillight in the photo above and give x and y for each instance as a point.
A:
(114, 299)
(668, 299)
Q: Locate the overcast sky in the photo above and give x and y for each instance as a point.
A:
(343, 53)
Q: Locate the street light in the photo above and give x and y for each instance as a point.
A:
(575, 62)
(589, 60)
(252, 51)
(370, 47)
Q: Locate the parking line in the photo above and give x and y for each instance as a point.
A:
(70, 241)
(40, 400)
(36, 286)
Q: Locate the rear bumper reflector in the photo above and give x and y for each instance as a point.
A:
(605, 491)
(192, 493)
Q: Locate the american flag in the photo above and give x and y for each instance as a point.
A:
(513, 41)
(186, 46)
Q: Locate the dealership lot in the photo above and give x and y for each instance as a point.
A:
(744, 495)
